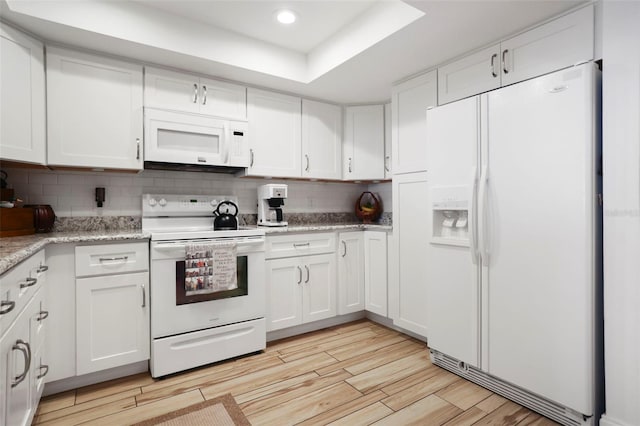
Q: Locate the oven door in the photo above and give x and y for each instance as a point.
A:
(174, 311)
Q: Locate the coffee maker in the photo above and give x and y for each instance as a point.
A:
(270, 201)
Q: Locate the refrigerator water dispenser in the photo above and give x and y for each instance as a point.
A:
(450, 215)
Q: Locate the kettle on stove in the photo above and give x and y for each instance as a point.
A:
(225, 221)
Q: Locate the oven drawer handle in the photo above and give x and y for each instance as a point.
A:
(182, 246)
(113, 259)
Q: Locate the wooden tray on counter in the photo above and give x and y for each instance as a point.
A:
(16, 221)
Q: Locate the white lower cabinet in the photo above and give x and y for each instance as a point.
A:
(375, 272)
(112, 321)
(23, 365)
(351, 260)
(112, 305)
(300, 290)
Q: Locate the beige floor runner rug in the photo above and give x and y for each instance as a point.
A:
(221, 411)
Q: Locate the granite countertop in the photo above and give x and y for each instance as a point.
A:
(14, 250)
(319, 227)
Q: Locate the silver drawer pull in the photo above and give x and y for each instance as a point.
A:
(46, 370)
(113, 259)
(42, 268)
(7, 306)
(301, 244)
(42, 315)
(29, 282)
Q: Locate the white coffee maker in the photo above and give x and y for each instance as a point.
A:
(270, 201)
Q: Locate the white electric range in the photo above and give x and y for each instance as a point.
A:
(188, 328)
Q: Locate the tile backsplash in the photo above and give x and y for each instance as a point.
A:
(72, 193)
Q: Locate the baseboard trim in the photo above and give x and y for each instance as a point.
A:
(313, 326)
(608, 421)
(63, 385)
(388, 322)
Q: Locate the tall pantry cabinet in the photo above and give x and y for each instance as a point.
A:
(407, 274)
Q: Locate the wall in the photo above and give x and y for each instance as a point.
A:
(621, 152)
(72, 193)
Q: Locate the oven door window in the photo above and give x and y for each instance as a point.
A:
(242, 290)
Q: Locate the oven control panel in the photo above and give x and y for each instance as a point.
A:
(182, 205)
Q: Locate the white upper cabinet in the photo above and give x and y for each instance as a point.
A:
(274, 134)
(557, 44)
(171, 90)
(321, 140)
(387, 142)
(22, 97)
(94, 107)
(410, 101)
(475, 73)
(363, 147)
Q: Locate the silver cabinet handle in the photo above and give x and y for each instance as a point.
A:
(113, 259)
(144, 297)
(306, 169)
(386, 162)
(42, 315)
(344, 246)
(251, 154)
(195, 93)
(29, 282)
(308, 274)
(493, 64)
(349, 165)
(137, 148)
(504, 61)
(204, 95)
(7, 306)
(46, 370)
(42, 268)
(301, 244)
(299, 276)
(26, 352)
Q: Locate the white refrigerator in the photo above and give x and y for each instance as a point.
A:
(513, 256)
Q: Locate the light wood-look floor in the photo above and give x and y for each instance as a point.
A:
(354, 374)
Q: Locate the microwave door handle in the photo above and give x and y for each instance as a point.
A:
(226, 142)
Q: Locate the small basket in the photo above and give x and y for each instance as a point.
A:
(368, 214)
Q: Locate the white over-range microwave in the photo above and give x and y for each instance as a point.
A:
(182, 138)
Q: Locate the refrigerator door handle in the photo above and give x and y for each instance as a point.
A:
(482, 216)
(473, 243)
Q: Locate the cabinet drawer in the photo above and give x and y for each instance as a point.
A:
(300, 245)
(18, 285)
(112, 259)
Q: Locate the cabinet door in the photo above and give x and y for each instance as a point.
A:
(409, 102)
(319, 287)
(473, 74)
(223, 99)
(284, 293)
(275, 132)
(408, 294)
(94, 109)
(38, 328)
(171, 90)
(387, 142)
(375, 272)
(363, 154)
(22, 97)
(321, 140)
(558, 44)
(15, 348)
(112, 321)
(351, 272)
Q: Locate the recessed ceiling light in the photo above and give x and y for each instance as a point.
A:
(286, 17)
